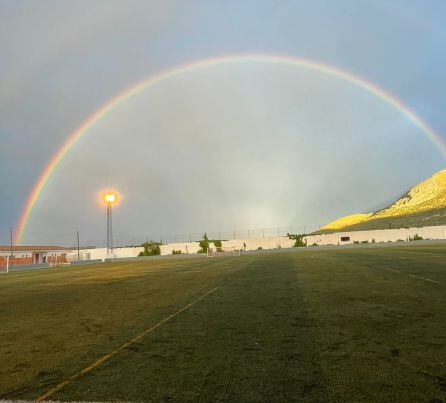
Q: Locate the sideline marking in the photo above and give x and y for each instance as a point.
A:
(424, 278)
(419, 252)
(107, 357)
(395, 271)
(326, 257)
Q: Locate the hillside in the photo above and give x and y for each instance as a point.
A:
(424, 204)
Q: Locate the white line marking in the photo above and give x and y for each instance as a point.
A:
(419, 253)
(107, 357)
(424, 278)
(386, 268)
(395, 271)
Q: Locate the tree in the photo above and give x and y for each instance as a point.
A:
(299, 240)
(204, 244)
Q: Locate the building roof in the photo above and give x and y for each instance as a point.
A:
(32, 248)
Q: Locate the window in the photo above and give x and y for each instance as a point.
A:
(345, 238)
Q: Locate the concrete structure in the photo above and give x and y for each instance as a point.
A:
(183, 247)
(241, 244)
(27, 255)
(339, 238)
(101, 253)
(385, 235)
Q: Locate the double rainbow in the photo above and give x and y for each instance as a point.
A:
(203, 64)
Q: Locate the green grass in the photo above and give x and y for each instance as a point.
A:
(328, 325)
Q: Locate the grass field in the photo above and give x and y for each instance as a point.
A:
(325, 325)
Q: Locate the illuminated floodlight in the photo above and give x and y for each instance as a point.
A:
(110, 198)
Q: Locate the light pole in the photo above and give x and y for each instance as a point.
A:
(110, 199)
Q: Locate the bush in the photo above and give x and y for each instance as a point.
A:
(150, 249)
(299, 240)
(356, 242)
(176, 252)
(416, 237)
(373, 240)
(364, 241)
(314, 244)
(217, 244)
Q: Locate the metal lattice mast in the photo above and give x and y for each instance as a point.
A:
(110, 199)
(109, 229)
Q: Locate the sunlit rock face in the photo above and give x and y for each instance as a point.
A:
(346, 221)
(429, 195)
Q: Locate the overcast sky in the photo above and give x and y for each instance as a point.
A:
(233, 146)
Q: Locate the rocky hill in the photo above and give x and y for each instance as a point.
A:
(424, 204)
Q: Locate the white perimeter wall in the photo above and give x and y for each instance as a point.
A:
(251, 244)
(385, 235)
(101, 253)
(184, 247)
(392, 235)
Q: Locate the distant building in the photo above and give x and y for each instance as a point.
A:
(27, 255)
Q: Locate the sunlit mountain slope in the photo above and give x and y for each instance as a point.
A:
(424, 204)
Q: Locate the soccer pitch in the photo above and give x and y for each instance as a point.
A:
(365, 324)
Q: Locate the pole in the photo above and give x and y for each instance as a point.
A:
(11, 263)
(109, 230)
(78, 246)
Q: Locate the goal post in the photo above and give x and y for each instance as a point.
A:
(215, 251)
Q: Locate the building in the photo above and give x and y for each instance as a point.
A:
(28, 255)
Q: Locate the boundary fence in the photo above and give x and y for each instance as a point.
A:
(69, 239)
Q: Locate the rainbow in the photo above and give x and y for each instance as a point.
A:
(109, 106)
